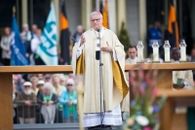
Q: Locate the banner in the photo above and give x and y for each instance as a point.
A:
(18, 51)
(47, 50)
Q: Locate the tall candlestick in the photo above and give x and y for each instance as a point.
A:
(140, 51)
(167, 51)
(155, 48)
(183, 50)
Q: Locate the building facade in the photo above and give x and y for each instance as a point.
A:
(138, 15)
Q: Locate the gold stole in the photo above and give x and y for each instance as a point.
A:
(118, 76)
(119, 79)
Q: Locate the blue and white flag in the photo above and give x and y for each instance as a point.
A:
(47, 50)
(18, 50)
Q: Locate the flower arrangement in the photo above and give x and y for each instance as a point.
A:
(144, 104)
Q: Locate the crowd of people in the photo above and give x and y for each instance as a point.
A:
(44, 98)
(31, 38)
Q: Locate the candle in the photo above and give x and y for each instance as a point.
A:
(140, 54)
(167, 51)
(155, 54)
(167, 54)
(183, 50)
(183, 54)
(140, 51)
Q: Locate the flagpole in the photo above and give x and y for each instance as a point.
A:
(176, 25)
(14, 10)
(102, 101)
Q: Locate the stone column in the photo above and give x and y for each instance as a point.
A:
(142, 20)
(24, 11)
(86, 10)
(112, 15)
(121, 13)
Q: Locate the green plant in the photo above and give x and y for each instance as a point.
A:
(123, 37)
(145, 106)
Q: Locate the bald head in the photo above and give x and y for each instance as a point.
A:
(96, 20)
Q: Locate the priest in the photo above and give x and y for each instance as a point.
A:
(100, 58)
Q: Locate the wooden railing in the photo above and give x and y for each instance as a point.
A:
(164, 85)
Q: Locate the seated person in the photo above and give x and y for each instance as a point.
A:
(181, 79)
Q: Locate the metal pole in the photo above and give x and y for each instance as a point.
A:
(101, 82)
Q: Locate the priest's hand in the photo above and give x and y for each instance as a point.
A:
(106, 49)
(82, 41)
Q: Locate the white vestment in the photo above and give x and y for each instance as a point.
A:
(112, 94)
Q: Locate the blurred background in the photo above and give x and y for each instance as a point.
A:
(43, 32)
(131, 20)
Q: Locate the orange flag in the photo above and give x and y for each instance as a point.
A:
(64, 35)
(104, 11)
(172, 23)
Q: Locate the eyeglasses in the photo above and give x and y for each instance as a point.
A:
(93, 20)
(27, 86)
(131, 52)
(69, 85)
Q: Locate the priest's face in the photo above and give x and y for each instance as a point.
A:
(96, 20)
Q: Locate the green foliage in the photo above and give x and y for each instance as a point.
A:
(145, 105)
(123, 37)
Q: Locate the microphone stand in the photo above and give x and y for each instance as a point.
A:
(102, 110)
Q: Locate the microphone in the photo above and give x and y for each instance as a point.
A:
(98, 30)
(97, 52)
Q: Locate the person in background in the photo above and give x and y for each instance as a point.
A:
(76, 36)
(154, 35)
(181, 79)
(26, 104)
(131, 55)
(35, 42)
(18, 82)
(34, 29)
(63, 80)
(26, 33)
(40, 85)
(58, 89)
(47, 77)
(26, 37)
(48, 102)
(34, 81)
(69, 100)
(14, 95)
(5, 45)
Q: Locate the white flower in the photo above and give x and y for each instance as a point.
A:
(142, 120)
